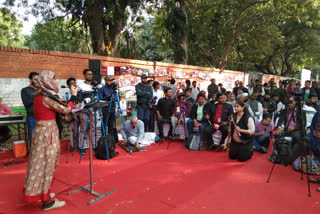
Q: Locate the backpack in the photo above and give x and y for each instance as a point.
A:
(101, 152)
(282, 152)
(193, 142)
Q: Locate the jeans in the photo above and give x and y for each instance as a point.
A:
(31, 124)
(190, 125)
(144, 115)
(262, 140)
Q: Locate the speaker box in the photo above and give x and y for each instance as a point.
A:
(95, 67)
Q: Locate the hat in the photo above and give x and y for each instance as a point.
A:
(144, 76)
(109, 77)
(242, 95)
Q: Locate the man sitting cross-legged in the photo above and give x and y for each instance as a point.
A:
(136, 134)
(263, 133)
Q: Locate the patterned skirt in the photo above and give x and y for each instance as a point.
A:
(43, 161)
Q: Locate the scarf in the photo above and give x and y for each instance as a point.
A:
(47, 81)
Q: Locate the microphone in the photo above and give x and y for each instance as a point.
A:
(63, 86)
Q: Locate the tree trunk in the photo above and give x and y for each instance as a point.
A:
(183, 45)
(96, 26)
(117, 26)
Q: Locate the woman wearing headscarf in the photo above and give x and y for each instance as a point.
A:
(45, 150)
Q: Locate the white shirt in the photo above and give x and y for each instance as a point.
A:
(158, 94)
(194, 92)
(85, 87)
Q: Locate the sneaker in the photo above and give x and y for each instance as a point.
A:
(264, 149)
(56, 204)
(52, 195)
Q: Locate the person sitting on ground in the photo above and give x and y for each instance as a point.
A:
(313, 102)
(4, 109)
(279, 104)
(213, 98)
(179, 115)
(232, 100)
(241, 131)
(219, 115)
(255, 108)
(263, 133)
(164, 112)
(189, 97)
(197, 116)
(269, 105)
(291, 119)
(136, 134)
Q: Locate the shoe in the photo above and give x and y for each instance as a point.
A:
(56, 204)
(211, 148)
(318, 189)
(52, 195)
(263, 149)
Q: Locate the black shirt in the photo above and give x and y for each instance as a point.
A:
(166, 107)
(27, 96)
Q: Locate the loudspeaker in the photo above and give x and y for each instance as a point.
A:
(95, 67)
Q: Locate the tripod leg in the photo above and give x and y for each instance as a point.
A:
(104, 135)
(84, 138)
(271, 172)
(123, 123)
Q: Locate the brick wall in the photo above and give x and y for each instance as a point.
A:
(16, 64)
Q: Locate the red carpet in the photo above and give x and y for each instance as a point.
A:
(167, 181)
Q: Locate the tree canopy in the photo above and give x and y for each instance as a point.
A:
(268, 36)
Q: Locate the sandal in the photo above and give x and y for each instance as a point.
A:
(315, 180)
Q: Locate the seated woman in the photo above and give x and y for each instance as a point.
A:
(197, 116)
(5, 132)
(241, 131)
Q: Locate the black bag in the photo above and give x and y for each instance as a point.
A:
(282, 152)
(101, 152)
(193, 142)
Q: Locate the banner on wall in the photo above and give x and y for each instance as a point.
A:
(305, 75)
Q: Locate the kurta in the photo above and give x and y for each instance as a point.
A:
(45, 150)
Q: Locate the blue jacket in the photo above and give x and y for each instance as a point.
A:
(314, 122)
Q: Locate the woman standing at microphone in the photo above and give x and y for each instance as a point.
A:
(241, 131)
(45, 150)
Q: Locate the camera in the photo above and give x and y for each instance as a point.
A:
(94, 84)
(114, 86)
(298, 95)
(89, 101)
(151, 101)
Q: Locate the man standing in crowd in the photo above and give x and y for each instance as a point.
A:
(75, 123)
(144, 93)
(164, 111)
(173, 88)
(219, 114)
(158, 94)
(240, 87)
(212, 88)
(86, 92)
(307, 90)
(27, 96)
(235, 88)
(105, 95)
(188, 86)
(263, 133)
(194, 90)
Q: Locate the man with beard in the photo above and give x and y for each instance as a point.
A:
(219, 115)
(291, 119)
(105, 95)
(144, 93)
(212, 88)
(27, 96)
(268, 104)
